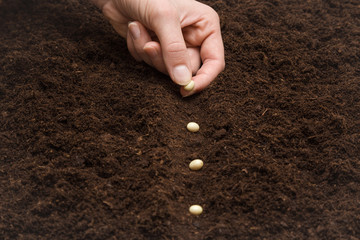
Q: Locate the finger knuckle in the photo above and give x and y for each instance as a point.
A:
(214, 16)
(211, 12)
(160, 14)
(176, 48)
(108, 11)
(166, 12)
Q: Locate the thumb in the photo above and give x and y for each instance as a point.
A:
(176, 57)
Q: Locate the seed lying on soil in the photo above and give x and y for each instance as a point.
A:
(196, 164)
(193, 127)
(195, 209)
(190, 86)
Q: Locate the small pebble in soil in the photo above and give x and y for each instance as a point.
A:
(193, 127)
(196, 164)
(195, 209)
(190, 86)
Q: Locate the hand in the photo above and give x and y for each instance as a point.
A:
(174, 36)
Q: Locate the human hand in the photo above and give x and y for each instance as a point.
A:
(181, 38)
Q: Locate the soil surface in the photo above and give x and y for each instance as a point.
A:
(94, 144)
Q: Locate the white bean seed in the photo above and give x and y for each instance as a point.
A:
(190, 86)
(195, 209)
(193, 127)
(196, 164)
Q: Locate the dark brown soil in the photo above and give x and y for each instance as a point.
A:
(94, 144)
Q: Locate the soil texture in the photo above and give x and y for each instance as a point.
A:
(93, 145)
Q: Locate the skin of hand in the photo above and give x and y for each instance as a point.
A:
(181, 38)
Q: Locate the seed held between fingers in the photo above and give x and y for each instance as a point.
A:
(190, 86)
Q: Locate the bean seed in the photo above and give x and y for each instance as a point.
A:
(193, 127)
(196, 209)
(196, 164)
(190, 86)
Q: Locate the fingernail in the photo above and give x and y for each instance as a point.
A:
(188, 94)
(134, 30)
(151, 52)
(182, 75)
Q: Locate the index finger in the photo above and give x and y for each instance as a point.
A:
(212, 56)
